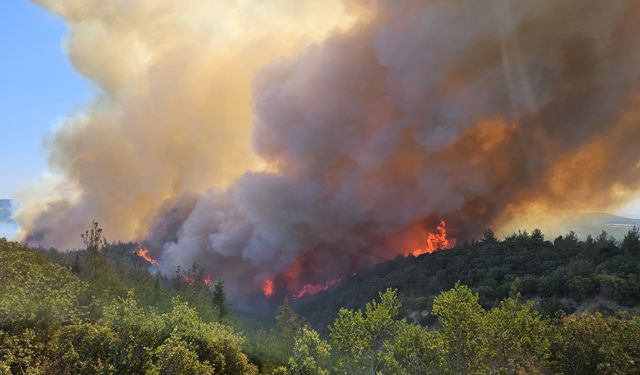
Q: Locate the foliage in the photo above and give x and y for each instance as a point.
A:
(361, 337)
(54, 322)
(594, 344)
(311, 355)
(464, 343)
(219, 300)
(518, 339)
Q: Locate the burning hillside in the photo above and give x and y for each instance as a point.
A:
(308, 144)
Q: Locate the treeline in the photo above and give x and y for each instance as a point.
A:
(566, 274)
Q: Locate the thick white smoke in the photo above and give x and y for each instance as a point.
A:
(467, 110)
(174, 113)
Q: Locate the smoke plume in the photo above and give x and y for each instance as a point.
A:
(295, 142)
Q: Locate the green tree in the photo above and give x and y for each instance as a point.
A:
(537, 237)
(461, 318)
(518, 339)
(311, 355)
(289, 326)
(360, 338)
(177, 357)
(594, 344)
(631, 241)
(219, 300)
(85, 348)
(489, 237)
(413, 350)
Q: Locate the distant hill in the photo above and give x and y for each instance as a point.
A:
(582, 223)
(594, 223)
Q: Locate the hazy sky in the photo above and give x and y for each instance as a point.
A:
(38, 87)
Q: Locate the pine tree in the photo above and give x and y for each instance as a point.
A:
(95, 244)
(219, 300)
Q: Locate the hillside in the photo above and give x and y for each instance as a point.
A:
(563, 274)
(100, 311)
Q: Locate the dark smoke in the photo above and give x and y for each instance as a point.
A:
(471, 111)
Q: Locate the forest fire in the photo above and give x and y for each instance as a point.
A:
(267, 288)
(435, 241)
(191, 280)
(144, 254)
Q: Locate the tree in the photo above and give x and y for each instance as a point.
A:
(537, 236)
(518, 338)
(177, 357)
(461, 318)
(489, 237)
(360, 338)
(219, 300)
(310, 355)
(93, 239)
(289, 325)
(605, 240)
(95, 244)
(413, 350)
(631, 241)
(594, 344)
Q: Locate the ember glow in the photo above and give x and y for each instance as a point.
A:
(191, 280)
(144, 254)
(436, 241)
(267, 288)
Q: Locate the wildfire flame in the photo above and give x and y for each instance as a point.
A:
(188, 279)
(267, 288)
(311, 289)
(191, 280)
(144, 254)
(436, 241)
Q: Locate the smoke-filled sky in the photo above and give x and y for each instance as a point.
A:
(293, 142)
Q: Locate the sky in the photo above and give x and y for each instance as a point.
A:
(39, 87)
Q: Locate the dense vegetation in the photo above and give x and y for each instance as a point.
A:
(99, 311)
(53, 321)
(595, 274)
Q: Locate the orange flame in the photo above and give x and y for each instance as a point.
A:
(267, 288)
(436, 241)
(311, 289)
(191, 280)
(144, 254)
(188, 279)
